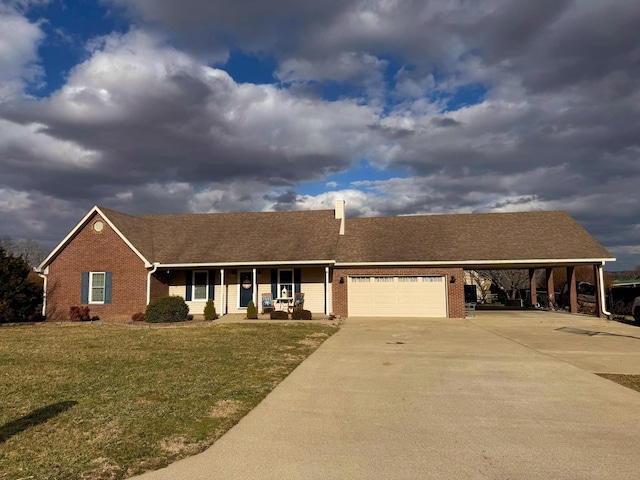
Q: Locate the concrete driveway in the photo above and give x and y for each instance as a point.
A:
(498, 396)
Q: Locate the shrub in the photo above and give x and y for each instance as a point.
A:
(79, 314)
(301, 315)
(19, 296)
(279, 315)
(167, 310)
(252, 313)
(138, 317)
(210, 310)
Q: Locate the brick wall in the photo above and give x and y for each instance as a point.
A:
(455, 290)
(97, 252)
(159, 285)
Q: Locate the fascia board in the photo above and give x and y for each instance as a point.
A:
(245, 264)
(535, 261)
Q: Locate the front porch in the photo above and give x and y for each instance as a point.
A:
(232, 288)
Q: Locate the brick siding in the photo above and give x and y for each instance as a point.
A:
(455, 290)
(91, 251)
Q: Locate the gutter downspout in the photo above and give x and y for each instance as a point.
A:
(601, 292)
(151, 272)
(44, 275)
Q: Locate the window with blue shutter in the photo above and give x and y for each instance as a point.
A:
(274, 283)
(187, 293)
(212, 284)
(297, 279)
(84, 292)
(96, 287)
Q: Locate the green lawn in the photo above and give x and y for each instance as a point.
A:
(105, 401)
(629, 381)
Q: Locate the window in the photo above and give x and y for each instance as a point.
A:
(97, 287)
(200, 285)
(383, 279)
(408, 279)
(285, 283)
(432, 279)
(360, 279)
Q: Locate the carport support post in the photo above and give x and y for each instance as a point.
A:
(573, 292)
(598, 284)
(532, 286)
(551, 293)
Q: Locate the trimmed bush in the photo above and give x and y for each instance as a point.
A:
(279, 315)
(79, 314)
(210, 310)
(252, 313)
(301, 315)
(167, 310)
(138, 317)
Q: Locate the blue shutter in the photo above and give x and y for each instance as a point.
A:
(107, 287)
(274, 283)
(84, 292)
(296, 279)
(187, 293)
(212, 284)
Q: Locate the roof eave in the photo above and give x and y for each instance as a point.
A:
(513, 262)
(245, 264)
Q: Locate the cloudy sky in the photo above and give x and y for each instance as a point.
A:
(396, 106)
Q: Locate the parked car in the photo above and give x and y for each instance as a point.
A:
(635, 309)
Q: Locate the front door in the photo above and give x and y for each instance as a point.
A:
(246, 288)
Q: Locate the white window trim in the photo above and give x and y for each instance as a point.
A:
(292, 284)
(104, 288)
(193, 286)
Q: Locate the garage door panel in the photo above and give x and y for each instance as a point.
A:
(397, 296)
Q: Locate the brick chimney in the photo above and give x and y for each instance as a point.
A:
(340, 214)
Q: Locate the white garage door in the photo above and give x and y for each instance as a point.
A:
(404, 296)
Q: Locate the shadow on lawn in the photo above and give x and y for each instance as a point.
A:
(37, 417)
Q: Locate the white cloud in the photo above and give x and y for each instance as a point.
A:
(19, 40)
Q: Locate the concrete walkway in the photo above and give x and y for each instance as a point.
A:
(441, 399)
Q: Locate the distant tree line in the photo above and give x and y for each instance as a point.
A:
(30, 250)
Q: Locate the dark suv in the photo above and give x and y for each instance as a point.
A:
(635, 309)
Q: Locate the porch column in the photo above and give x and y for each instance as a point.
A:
(255, 288)
(326, 290)
(573, 292)
(223, 293)
(550, 288)
(532, 286)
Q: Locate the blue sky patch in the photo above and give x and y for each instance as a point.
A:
(250, 68)
(362, 171)
(67, 27)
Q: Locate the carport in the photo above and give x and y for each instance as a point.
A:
(415, 265)
(547, 269)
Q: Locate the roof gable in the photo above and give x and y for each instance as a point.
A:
(81, 224)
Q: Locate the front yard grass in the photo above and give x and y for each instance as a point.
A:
(105, 401)
(629, 381)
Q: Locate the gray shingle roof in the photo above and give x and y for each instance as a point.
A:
(467, 237)
(232, 237)
(301, 236)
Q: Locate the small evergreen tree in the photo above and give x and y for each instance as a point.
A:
(252, 313)
(210, 310)
(19, 297)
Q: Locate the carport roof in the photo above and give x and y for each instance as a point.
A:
(484, 239)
